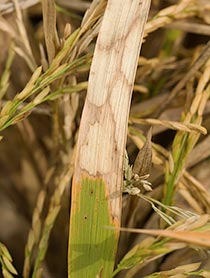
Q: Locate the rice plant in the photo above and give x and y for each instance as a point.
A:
(104, 138)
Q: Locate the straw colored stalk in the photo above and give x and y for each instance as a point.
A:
(97, 181)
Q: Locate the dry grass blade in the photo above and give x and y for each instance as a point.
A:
(191, 27)
(198, 239)
(24, 37)
(22, 46)
(188, 127)
(6, 27)
(49, 22)
(77, 5)
(8, 7)
(4, 81)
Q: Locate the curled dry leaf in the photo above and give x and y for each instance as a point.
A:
(143, 162)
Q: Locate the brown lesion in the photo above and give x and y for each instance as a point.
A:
(120, 39)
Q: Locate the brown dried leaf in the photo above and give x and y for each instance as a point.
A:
(143, 162)
(201, 239)
(50, 32)
(188, 127)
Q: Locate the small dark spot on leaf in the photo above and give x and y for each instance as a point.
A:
(85, 217)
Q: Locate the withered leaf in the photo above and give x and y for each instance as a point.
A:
(143, 162)
(50, 31)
